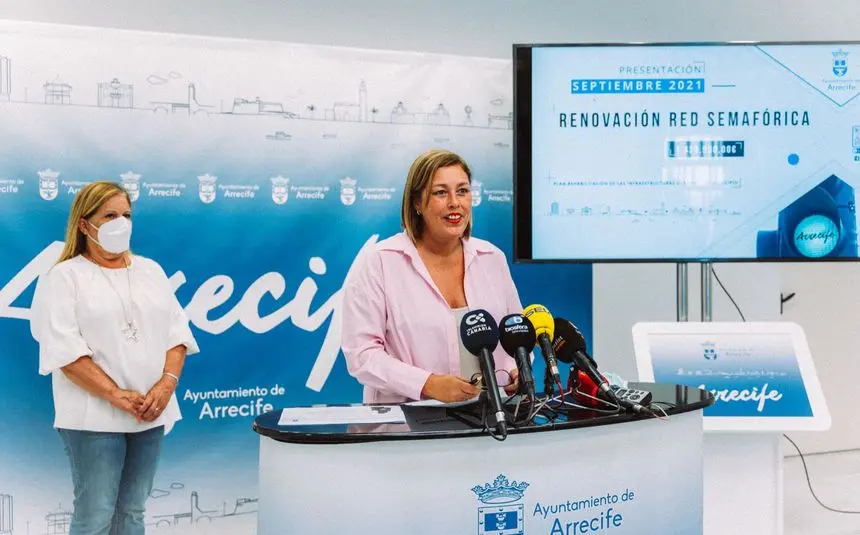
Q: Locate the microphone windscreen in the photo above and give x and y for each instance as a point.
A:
(540, 319)
(478, 330)
(584, 389)
(571, 340)
(516, 331)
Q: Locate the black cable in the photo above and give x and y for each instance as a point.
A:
(809, 483)
(729, 295)
(802, 458)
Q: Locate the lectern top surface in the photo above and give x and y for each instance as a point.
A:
(439, 422)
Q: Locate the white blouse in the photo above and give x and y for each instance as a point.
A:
(78, 310)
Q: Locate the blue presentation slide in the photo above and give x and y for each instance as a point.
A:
(705, 152)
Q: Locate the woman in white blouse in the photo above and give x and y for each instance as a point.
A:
(114, 338)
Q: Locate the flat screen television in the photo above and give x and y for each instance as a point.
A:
(704, 152)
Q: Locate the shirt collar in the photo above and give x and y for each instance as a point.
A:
(402, 243)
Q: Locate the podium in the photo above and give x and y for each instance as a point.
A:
(764, 383)
(437, 472)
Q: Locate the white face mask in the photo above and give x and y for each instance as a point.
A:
(114, 236)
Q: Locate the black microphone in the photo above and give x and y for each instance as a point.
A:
(569, 346)
(517, 337)
(480, 336)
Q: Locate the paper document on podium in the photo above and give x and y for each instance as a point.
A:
(435, 403)
(357, 414)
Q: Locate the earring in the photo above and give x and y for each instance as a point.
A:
(418, 212)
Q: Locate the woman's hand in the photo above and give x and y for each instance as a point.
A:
(157, 398)
(448, 389)
(511, 389)
(128, 401)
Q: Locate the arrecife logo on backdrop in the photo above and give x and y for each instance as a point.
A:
(10, 185)
(350, 191)
(49, 184)
(500, 515)
(131, 183)
(280, 189)
(477, 192)
(209, 191)
(480, 194)
(347, 190)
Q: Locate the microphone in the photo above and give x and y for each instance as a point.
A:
(570, 346)
(480, 336)
(582, 388)
(517, 337)
(544, 326)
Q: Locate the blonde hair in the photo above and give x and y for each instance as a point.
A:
(87, 202)
(419, 180)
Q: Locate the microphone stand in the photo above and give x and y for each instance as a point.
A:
(548, 383)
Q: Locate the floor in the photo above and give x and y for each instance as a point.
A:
(836, 480)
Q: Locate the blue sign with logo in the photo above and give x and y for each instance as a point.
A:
(748, 374)
(255, 206)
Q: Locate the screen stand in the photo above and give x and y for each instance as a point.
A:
(681, 293)
(707, 292)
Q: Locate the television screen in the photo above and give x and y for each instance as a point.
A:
(686, 152)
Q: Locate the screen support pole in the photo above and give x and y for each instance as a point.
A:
(707, 292)
(681, 293)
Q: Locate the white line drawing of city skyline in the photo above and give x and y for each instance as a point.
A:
(57, 92)
(7, 514)
(57, 522)
(115, 94)
(190, 105)
(194, 514)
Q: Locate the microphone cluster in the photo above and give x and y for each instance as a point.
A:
(558, 340)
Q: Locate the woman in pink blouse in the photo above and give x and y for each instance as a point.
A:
(403, 304)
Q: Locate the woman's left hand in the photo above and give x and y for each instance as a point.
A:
(156, 399)
(511, 389)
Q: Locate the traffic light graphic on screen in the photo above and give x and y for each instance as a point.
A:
(819, 224)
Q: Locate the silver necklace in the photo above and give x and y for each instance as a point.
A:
(130, 329)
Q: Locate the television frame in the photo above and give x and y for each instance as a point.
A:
(522, 154)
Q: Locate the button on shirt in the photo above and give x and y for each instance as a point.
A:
(79, 309)
(397, 326)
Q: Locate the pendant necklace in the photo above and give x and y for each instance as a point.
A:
(129, 329)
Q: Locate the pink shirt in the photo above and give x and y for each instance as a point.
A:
(397, 326)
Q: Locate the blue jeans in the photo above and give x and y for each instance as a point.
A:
(112, 475)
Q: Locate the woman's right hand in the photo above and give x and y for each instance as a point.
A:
(448, 389)
(128, 401)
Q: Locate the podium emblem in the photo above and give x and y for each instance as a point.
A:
(500, 515)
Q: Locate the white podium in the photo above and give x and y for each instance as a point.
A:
(764, 383)
(436, 474)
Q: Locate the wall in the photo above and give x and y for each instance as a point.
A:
(623, 294)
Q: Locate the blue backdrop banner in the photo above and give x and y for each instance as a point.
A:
(259, 171)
